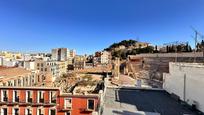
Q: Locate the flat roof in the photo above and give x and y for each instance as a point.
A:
(142, 102)
(12, 71)
(27, 88)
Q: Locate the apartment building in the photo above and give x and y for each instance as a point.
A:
(70, 61)
(57, 68)
(8, 62)
(59, 54)
(79, 62)
(11, 55)
(45, 101)
(19, 77)
(71, 53)
(101, 58)
(105, 57)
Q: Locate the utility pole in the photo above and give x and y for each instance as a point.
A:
(196, 40)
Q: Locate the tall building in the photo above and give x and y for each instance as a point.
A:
(71, 53)
(59, 54)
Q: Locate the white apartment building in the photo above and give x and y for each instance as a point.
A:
(186, 80)
(8, 62)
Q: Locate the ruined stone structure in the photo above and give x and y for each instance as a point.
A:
(152, 66)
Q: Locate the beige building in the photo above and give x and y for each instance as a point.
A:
(105, 57)
(79, 62)
(51, 69)
(141, 45)
(19, 77)
(71, 53)
(11, 55)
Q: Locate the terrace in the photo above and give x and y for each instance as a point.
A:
(128, 101)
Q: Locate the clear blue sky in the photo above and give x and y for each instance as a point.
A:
(91, 25)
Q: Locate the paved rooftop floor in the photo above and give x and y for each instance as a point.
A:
(142, 102)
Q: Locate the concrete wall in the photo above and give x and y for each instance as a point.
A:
(186, 80)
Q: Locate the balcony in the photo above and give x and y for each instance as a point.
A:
(86, 110)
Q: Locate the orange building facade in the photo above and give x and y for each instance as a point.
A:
(45, 101)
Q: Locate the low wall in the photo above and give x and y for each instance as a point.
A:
(186, 80)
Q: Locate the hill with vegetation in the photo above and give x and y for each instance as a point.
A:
(127, 49)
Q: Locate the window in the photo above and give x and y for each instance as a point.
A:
(4, 97)
(90, 104)
(9, 83)
(19, 82)
(68, 103)
(38, 64)
(28, 111)
(4, 111)
(15, 111)
(53, 95)
(68, 113)
(15, 96)
(41, 96)
(29, 95)
(15, 82)
(52, 112)
(40, 111)
(43, 77)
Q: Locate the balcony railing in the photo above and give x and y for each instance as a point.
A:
(62, 108)
(85, 110)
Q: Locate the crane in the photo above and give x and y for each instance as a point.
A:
(198, 36)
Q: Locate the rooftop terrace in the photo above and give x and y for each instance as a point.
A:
(12, 71)
(142, 102)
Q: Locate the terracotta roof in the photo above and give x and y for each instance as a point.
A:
(12, 71)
